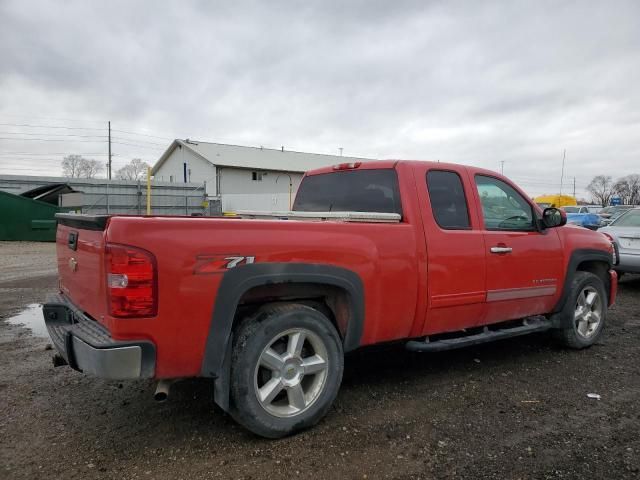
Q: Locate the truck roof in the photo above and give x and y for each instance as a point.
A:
(379, 164)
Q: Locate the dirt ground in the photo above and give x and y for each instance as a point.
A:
(517, 409)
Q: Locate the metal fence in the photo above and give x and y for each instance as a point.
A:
(102, 196)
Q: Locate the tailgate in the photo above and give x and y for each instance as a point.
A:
(80, 242)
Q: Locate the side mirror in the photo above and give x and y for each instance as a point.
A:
(553, 217)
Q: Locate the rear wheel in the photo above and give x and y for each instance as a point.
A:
(286, 370)
(585, 312)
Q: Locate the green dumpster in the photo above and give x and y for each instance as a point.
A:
(22, 218)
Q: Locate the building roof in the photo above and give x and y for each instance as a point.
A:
(238, 156)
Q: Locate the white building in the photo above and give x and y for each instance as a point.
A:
(243, 178)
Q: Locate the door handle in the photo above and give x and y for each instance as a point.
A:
(501, 249)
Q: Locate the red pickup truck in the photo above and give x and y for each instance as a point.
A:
(436, 255)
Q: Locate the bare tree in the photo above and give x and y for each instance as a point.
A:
(628, 189)
(634, 189)
(601, 189)
(136, 169)
(90, 168)
(76, 166)
(72, 166)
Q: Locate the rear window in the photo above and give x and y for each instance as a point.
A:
(628, 219)
(350, 191)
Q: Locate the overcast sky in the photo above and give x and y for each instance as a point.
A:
(468, 82)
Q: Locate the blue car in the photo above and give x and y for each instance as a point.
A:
(581, 216)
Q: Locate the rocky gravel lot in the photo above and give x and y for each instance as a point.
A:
(517, 409)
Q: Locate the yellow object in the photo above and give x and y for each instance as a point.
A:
(148, 190)
(555, 200)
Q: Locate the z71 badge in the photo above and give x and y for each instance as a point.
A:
(212, 264)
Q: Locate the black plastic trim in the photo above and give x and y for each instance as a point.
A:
(532, 325)
(237, 281)
(85, 222)
(72, 241)
(577, 257)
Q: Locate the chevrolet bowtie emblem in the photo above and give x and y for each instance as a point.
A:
(73, 264)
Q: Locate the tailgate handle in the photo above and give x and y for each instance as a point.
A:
(73, 240)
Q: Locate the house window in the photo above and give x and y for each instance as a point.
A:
(256, 176)
(171, 178)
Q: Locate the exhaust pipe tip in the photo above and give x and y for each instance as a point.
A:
(58, 360)
(161, 397)
(161, 394)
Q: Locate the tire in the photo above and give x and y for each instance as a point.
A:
(286, 370)
(583, 316)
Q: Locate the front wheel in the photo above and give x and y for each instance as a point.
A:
(584, 314)
(286, 370)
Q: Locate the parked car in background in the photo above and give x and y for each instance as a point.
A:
(580, 215)
(575, 209)
(594, 208)
(624, 233)
(609, 214)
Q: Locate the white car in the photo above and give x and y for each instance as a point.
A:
(624, 232)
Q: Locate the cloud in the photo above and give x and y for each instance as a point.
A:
(469, 82)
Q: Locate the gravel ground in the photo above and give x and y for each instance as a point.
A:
(517, 409)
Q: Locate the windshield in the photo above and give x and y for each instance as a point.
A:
(350, 191)
(630, 219)
(571, 209)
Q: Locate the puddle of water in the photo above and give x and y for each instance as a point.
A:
(31, 318)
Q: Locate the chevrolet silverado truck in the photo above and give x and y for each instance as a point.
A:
(434, 255)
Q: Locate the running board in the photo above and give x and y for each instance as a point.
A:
(530, 325)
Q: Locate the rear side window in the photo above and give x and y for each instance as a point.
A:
(448, 202)
(350, 191)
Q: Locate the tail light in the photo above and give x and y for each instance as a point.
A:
(615, 256)
(132, 282)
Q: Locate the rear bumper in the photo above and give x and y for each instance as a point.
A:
(87, 346)
(628, 263)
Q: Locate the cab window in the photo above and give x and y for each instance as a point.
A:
(503, 208)
(448, 203)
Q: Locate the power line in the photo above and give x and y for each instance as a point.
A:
(137, 141)
(67, 127)
(143, 134)
(51, 153)
(139, 146)
(51, 118)
(53, 134)
(50, 140)
(28, 125)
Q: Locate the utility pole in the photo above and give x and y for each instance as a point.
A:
(502, 167)
(109, 164)
(564, 153)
